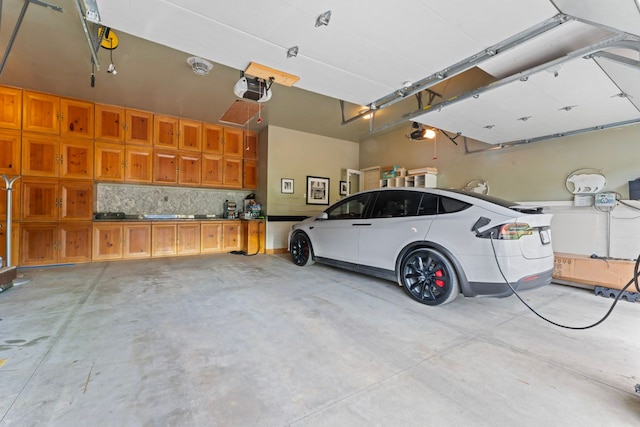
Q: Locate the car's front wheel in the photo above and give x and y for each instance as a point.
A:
(301, 249)
(428, 277)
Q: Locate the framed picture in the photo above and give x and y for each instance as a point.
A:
(317, 190)
(286, 185)
(343, 188)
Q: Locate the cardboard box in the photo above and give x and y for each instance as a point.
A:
(581, 269)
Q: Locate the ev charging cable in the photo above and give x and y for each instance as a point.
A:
(634, 280)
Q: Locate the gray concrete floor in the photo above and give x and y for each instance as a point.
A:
(255, 341)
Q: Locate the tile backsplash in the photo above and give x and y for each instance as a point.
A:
(153, 199)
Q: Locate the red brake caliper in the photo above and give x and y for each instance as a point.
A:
(439, 283)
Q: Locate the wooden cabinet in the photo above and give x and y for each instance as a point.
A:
(250, 145)
(165, 166)
(117, 240)
(213, 139)
(15, 203)
(250, 174)
(138, 127)
(49, 156)
(190, 137)
(212, 168)
(10, 108)
(231, 235)
(10, 148)
(40, 112)
(138, 164)
(233, 142)
(51, 200)
(175, 238)
(109, 162)
(76, 158)
(253, 236)
(189, 165)
(211, 237)
(110, 123)
(51, 243)
(165, 131)
(77, 118)
(15, 245)
(232, 173)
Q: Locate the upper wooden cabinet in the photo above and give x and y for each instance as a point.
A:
(77, 118)
(165, 166)
(190, 136)
(76, 159)
(213, 139)
(10, 108)
(250, 145)
(40, 112)
(233, 142)
(212, 170)
(165, 131)
(138, 164)
(40, 155)
(189, 165)
(109, 161)
(138, 127)
(110, 123)
(10, 144)
(250, 174)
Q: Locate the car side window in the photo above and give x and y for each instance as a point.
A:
(449, 205)
(393, 204)
(353, 207)
(428, 205)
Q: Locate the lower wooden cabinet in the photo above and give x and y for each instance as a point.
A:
(175, 238)
(231, 236)
(53, 243)
(254, 236)
(210, 237)
(117, 240)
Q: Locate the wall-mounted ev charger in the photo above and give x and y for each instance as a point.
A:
(605, 200)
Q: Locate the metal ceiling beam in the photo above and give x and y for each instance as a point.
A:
(464, 65)
(14, 33)
(92, 15)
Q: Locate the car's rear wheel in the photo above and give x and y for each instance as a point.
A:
(428, 277)
(301, 249)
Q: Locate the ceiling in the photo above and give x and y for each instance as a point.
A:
(488, 61)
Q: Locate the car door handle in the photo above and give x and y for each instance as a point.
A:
(361, 225)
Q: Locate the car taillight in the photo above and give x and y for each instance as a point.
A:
(511, 231)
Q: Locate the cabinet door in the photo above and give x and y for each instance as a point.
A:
(212, 167)
(137, 240)
(253, 236)
(232, 174)
(109, 162)
(138, 164)
(165, 131)
(233, 142)
(39, 200)
(10, 108)
(210, 237)
(15, 245)
(77, 118)
(76, 200)
(188, 242)
(38, 243)
(110, 123)
(40, 112)
(163, 239)
(15, 203)
(107, 241)
(75, 242)
(189, 168)
(231, 235)
(10, 145)
(165, 166)
(77, 159)
(190, 137)
(250, 174)
(213, 139)
(40, 155)
(250, 145)
(138, 127)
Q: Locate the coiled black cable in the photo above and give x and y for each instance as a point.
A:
(634, 280)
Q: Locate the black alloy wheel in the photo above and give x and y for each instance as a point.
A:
(428, 277)
(301, 250)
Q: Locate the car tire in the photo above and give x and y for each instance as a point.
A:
(301, 249)
(428, 277)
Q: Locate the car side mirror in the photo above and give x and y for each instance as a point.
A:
(322, 216)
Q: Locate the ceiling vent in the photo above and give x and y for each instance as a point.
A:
(200, 66)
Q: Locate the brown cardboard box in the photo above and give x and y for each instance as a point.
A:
(581, 269)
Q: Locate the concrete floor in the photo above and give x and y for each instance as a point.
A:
(229, 340)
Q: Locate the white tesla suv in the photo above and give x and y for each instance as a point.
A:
(435, 243)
